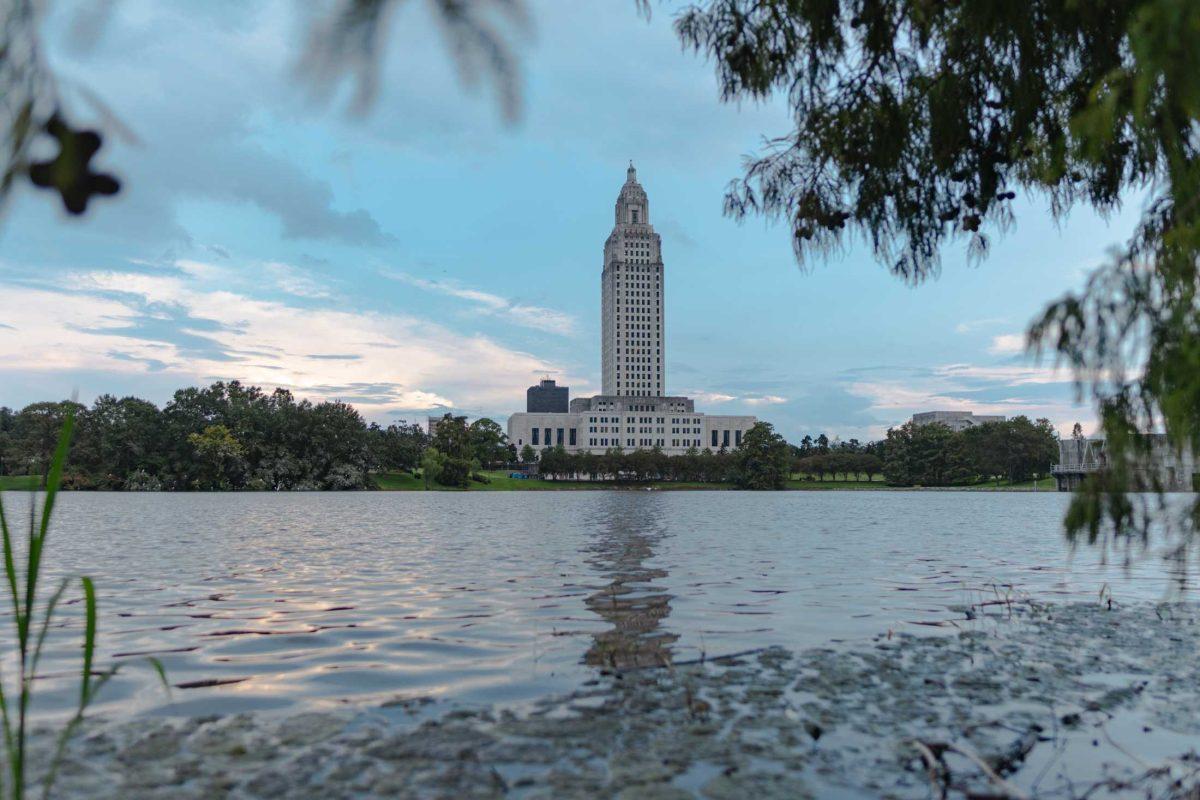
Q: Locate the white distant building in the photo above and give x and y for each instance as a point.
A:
(1171, 469)
(634, 412)
(955, 420)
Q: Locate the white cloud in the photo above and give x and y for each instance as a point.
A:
(967, 326)
(765, 400)
(287, 278)
(1012, 375)
(536, 317)
(135, 322)
(969, 387)
(711, 397)
(1007, 344)
(295, 281)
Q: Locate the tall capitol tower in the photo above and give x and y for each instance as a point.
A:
(633, 410)
(631, 307)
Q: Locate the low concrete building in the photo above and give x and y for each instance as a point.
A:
(547, 397)
(956, 421)
(631, 423)
(1174, 471)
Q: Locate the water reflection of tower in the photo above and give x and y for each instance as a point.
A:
(629, 526)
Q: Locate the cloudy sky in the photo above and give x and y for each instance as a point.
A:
(427, 254)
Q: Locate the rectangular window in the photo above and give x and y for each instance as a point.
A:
(714, 433)
(534, 440)
(724, 437)
(547, 431)
(572, 437)
(737, 438)
(558, 439)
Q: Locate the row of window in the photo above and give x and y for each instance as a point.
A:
(719, 439)
(724, 439)
(558, 439)
(614, 442)
(566, 437)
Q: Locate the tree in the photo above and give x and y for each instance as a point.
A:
(7, 423)
(281, 444)
(218, 456)
(456, 472)
(35, 432)
(925, 455)
(115, 438)
(488, 442)
(399, 446)
(869, 464)
(452, 438)
(916, 123)
(763, 460)
(431, 465)
(528, 454)
(987, 449)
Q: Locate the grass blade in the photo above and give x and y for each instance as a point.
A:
(161, 671)
(50, 607)
(38, 539)
(10, 565)
(54, 477)
(10, 574)
(89, 640)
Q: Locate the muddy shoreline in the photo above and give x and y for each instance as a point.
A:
(1031, 700)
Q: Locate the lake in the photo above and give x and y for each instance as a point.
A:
(285, 602)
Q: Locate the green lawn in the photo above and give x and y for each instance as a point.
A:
(499, 482)
(804, 483)
(19, 483)
(1043, 485)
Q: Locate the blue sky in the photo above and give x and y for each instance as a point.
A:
(427, 255)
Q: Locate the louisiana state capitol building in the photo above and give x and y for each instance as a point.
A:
(634, 411)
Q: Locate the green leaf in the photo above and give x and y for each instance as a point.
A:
(50, 607)
(161, 671)
(89, 640)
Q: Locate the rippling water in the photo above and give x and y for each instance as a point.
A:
(285, 601)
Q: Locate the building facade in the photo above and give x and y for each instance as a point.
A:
(633, 412)
(547, 396)
(1174, 471)
(631, 299)
(956, 421)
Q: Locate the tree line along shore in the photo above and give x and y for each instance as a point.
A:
(229, 437)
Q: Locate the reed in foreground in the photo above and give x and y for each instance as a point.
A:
(32, 623)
